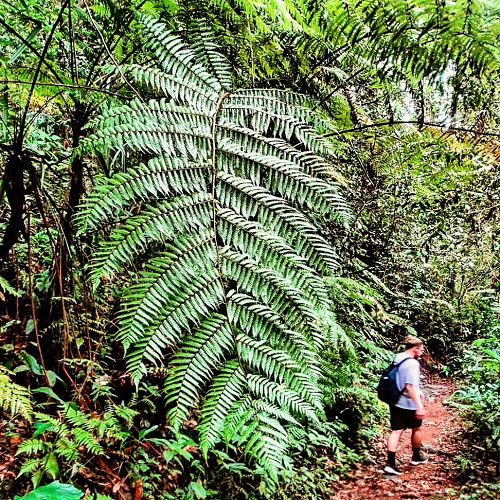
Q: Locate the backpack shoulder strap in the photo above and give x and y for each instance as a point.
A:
(397, 365)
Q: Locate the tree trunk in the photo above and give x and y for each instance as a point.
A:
(13, 184)
(78, 121)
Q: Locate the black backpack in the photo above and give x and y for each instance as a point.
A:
(387, 388)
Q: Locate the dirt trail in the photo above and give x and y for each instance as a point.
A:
(441, 437)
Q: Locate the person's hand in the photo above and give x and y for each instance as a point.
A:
(420, 413)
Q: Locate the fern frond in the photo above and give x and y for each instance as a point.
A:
(308, 162)
(287, 180)
(175, 268)
(56, 424)
(32, 447)
(160, 223)
(190, 304)
(171, 85)
(277, 365)
(150, 128)
(262, 387)
(160, 178)
(231, 299)
(268, 445)
(274, 291)
(14, 398)
(194, 363)
(175, 57)
(278, 216)
(201, 39)
(30, 466)
(270, 251)
(281, 103)
(270, 362)
(84, 438)
(226, 389)
(263, 323)
(266, 122)
(263, 437)
(261, 405)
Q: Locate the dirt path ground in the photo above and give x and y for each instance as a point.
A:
(436, 479)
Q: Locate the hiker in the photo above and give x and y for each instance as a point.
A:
(408, 411)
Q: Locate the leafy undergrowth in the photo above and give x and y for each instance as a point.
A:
(451, 472)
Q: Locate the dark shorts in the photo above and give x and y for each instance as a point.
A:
(404, 419)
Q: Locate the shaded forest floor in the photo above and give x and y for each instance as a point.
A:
(439, 478)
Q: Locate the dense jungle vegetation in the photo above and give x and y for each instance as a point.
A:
(219, 219)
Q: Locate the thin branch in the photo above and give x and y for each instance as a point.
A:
(20, 137)
(411, 122)
(73, 58)
(12, 31)
(111, 56)
(336, 89)
(33, 306)
(80, 87)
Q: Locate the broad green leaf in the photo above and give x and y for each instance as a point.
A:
(53, 491)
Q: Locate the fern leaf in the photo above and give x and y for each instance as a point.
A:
(171, 85)
(159, 223)
(175, 268)
(262, 387)
(231, 299)
(14, 398)
(263, 323)
(278, 216)
(287, 180)
(278, 366)
(194, 363)
(193, 303)
(202, 43)
(160, 178)
(270, 251)
(274, 291)
(175, 57)
(226, 388)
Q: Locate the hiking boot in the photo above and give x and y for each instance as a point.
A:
(392, 469)
(421, 459)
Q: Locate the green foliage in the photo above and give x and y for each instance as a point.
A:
(382, 49)
(5, 286)
(53, 491)
(404, 33)
(14, 398)
(235, 287)
(426, 234)
(479, 400)
(65, 439)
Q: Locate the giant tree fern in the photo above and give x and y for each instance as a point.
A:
(232, 300)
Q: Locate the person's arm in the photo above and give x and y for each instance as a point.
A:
(414, 394)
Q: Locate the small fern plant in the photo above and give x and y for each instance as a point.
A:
(231, 299)
(14, 398)
(70, 438)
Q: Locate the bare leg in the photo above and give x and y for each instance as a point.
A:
(416, 438)
(393, 440)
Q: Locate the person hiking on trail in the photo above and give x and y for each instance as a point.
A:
(408, 411)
